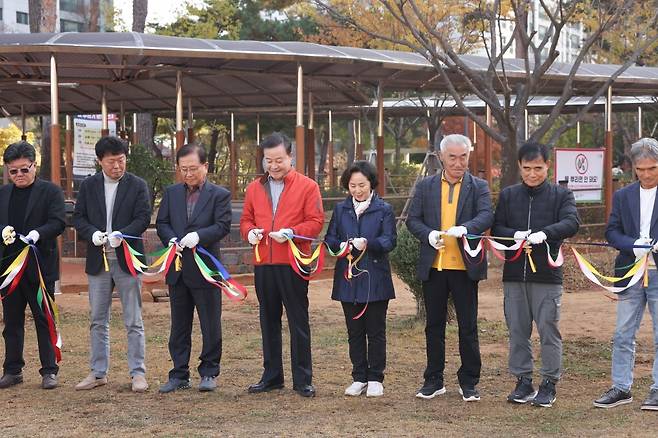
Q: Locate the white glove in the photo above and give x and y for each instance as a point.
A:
(522, 235)
(360, 243)
(115, 239)
(457, 231)
(537, 238)
(8, 235)
(342, 246)
(99, 238)
(640, 252)
(255, 235)
(434, 239)
(190, 240)
(174, 240)
(282, 235)
(30, 238)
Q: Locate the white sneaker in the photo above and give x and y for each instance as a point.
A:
(375, 389)
(356, 389)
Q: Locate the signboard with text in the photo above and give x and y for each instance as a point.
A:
(86, 132)
(582, 169)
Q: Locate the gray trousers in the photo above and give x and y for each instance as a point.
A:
(100, 303)
(538, 302)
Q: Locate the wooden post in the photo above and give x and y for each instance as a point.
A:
(381, 177)
(190, 121)
(105, 131)
(607, 166)
(358, 153)
(639, 122)
(310, 140)
(299, 128)
(180, 133)
(68, 151)
(55, 147)
(259, 150)
(23, 133)
(233, 159)
(487, 150)
(473, 157)
(330, 152)
(578, 144)
(134, 133)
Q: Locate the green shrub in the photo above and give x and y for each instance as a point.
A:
(403, 260)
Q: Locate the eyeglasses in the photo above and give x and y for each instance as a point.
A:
(22, 170)
(185, 170)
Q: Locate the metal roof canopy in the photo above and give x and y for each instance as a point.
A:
(139, 71)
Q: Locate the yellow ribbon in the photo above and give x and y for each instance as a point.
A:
(105, 263)
(17, 261)
(528, 252)
(257, 252)
(303, 258)
(593, 270)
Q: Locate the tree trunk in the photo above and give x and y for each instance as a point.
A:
(140, 11)
(212, 150)
(94, 16)
(509, 169)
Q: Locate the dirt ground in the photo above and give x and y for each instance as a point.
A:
(587, 326)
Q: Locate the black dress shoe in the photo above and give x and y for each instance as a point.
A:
(305, 390)
(264, 387)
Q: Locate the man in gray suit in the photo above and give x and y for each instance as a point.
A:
(456, 203)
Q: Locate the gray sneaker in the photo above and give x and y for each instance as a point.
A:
(651, 403)
(49, 381)
(8, 380)
(207, 384)
(174, 385)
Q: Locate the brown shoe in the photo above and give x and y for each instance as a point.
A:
(91, 382)
(139, 383)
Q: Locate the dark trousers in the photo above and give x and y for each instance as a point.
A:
(278, 286)
(367, 340)
(208, 303)
(464, 293)
(13, 310)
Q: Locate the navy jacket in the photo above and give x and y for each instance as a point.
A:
(377, 224)
(45, 214)
(624, 225)
(548, 208)
(131, 214)
(474, 211)
(211, 219)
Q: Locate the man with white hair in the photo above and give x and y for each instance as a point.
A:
(444, 208)
(633, 223)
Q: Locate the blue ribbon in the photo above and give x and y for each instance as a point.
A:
(220, 268)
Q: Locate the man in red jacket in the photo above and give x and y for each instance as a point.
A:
(279, 205)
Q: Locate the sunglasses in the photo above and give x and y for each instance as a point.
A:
(23, 170)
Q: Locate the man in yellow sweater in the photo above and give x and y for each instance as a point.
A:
(445, 207)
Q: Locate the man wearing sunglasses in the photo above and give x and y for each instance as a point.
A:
(31, 211)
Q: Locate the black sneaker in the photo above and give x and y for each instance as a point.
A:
(431, 389)
(651, 403)
(546, 395)
(469, 393)
(613, 397)
(524, 391)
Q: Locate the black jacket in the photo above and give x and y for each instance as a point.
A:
(377, 224)
(131, 215)
(474, 211)
(45, 214)
(548, 208)
(211, 219)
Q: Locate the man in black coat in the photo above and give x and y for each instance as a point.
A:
(34, 209)
(444, 208)
(194, 213)
(111, 204)
(544, 214)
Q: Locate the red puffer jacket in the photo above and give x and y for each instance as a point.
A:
(299, 208)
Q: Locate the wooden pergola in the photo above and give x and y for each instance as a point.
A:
(77, 73)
